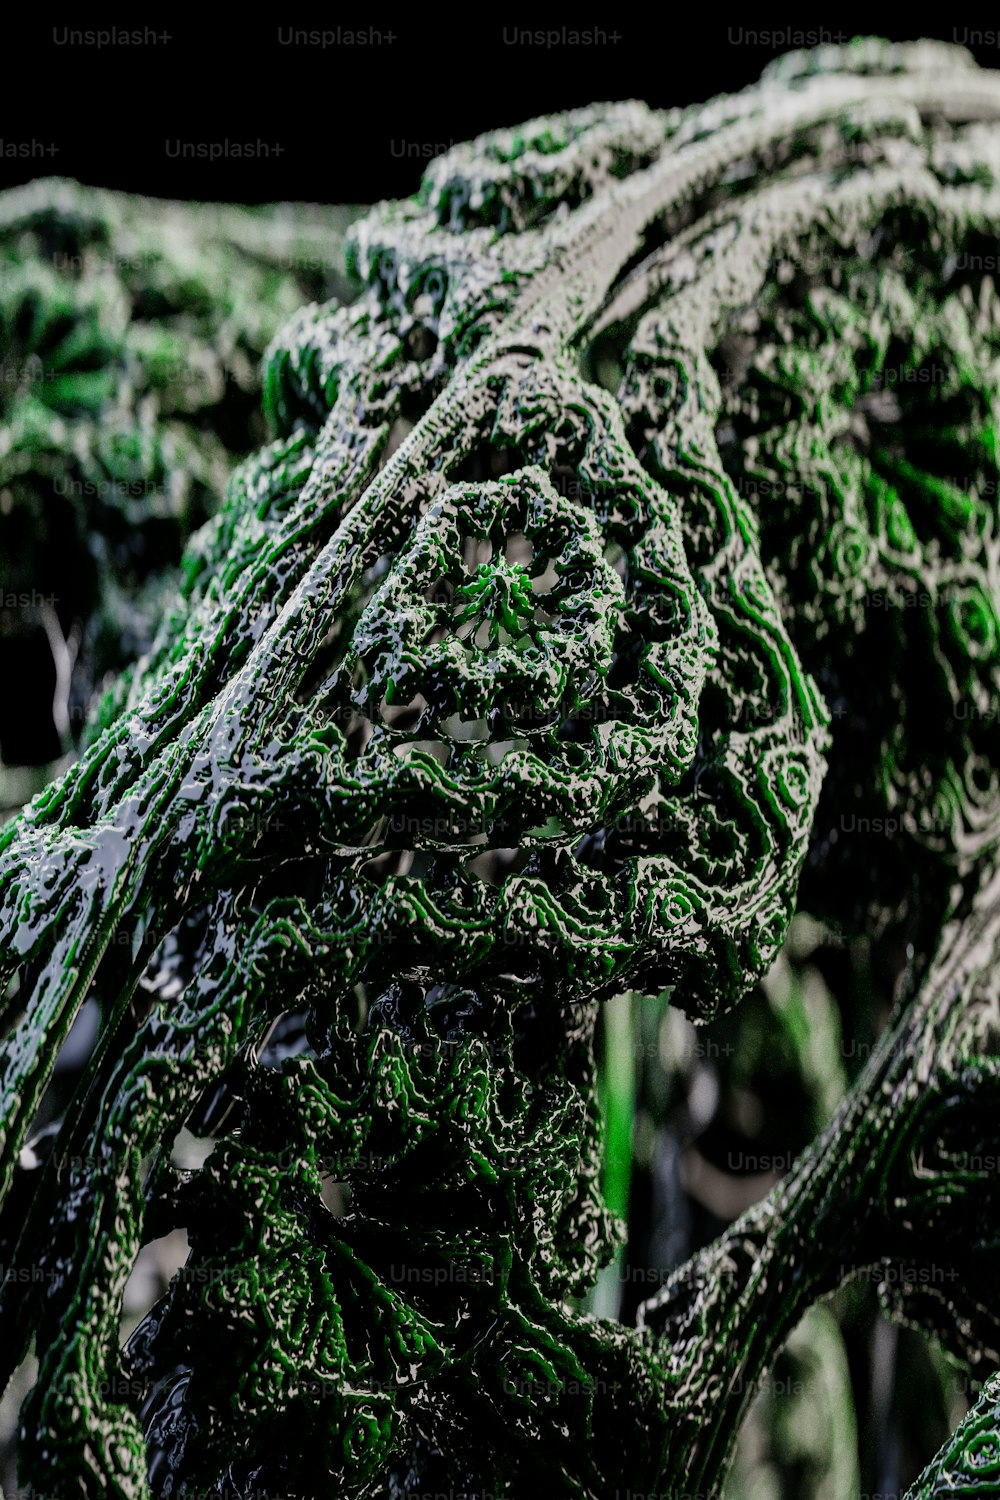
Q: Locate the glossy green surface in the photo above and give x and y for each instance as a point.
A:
(499, 686)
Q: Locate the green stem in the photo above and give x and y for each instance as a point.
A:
(616, 1091)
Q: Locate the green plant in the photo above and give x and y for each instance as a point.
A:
(131, 333)
(494, 691)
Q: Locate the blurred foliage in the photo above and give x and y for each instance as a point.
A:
(131, 336)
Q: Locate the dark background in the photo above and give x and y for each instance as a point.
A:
(354, 122)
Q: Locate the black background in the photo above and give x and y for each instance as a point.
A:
(354, 122)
